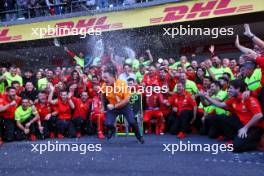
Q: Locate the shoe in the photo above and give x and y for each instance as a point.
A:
(52, 135)
(101, 135)
(141, 140)
(110, 133)
(60, 136)
(181, 135)
(33, 137)
(161, 133)
(221, 138)
(78, 135)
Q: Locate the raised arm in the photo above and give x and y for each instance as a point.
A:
(243, 49)
(252, 36)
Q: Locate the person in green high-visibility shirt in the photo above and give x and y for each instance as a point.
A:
(3, 82)
(78, 59)
(183, 61)
(140, 73)
(217, 71)
(190, 86)
(43, 82)
(252, 75)
(27, 119)
(12, 76)
(146, 62)
(213, 113)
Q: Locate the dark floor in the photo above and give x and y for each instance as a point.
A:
(124, 156)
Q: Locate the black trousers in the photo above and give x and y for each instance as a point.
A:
(66, 128)
(261, 98)
(80, 124)
(211, 126)
(8, 129)
(1, 128)
(49, 126)
(181, 122)
(251, 142)
(230, 127)
(20, 135)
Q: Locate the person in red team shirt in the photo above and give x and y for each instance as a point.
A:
(81, 112)
(8, 105)
(152, 110)
(98, 115)
(47, 115)
(184, 111)
(245, 125)
(151, 77)
(63, 106)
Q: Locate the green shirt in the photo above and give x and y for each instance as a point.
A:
(10, 78)
(146, 63)
(134, 62)
(79, 61)
(42, 83)
(218, 72)
(190, 87)
(139, 77)
(253, 82)
(175, 65)
(22, 115)
(222, 96)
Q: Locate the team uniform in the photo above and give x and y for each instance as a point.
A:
(49, 125)
(181, 119)
(152, 110)
(7, 119)
(64, 123)
(80, 115)
(242, 112)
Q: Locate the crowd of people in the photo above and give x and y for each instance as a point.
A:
(17, 9)
(218, 97)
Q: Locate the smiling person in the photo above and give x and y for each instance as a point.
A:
(118, 103)
(26, 117)
(245, 125)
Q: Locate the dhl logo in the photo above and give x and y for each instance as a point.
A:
(200, 10)
(4, 37)
(92, 23)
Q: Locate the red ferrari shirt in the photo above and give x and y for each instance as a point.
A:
(260, 62)
(182, 102)
(63, 109)
(154, 101)
(81, 108)
(97, 104)
(10, 112)
(150, 80)
(245, 110)
(43, 110)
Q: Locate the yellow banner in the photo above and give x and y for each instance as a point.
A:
(156, 15)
